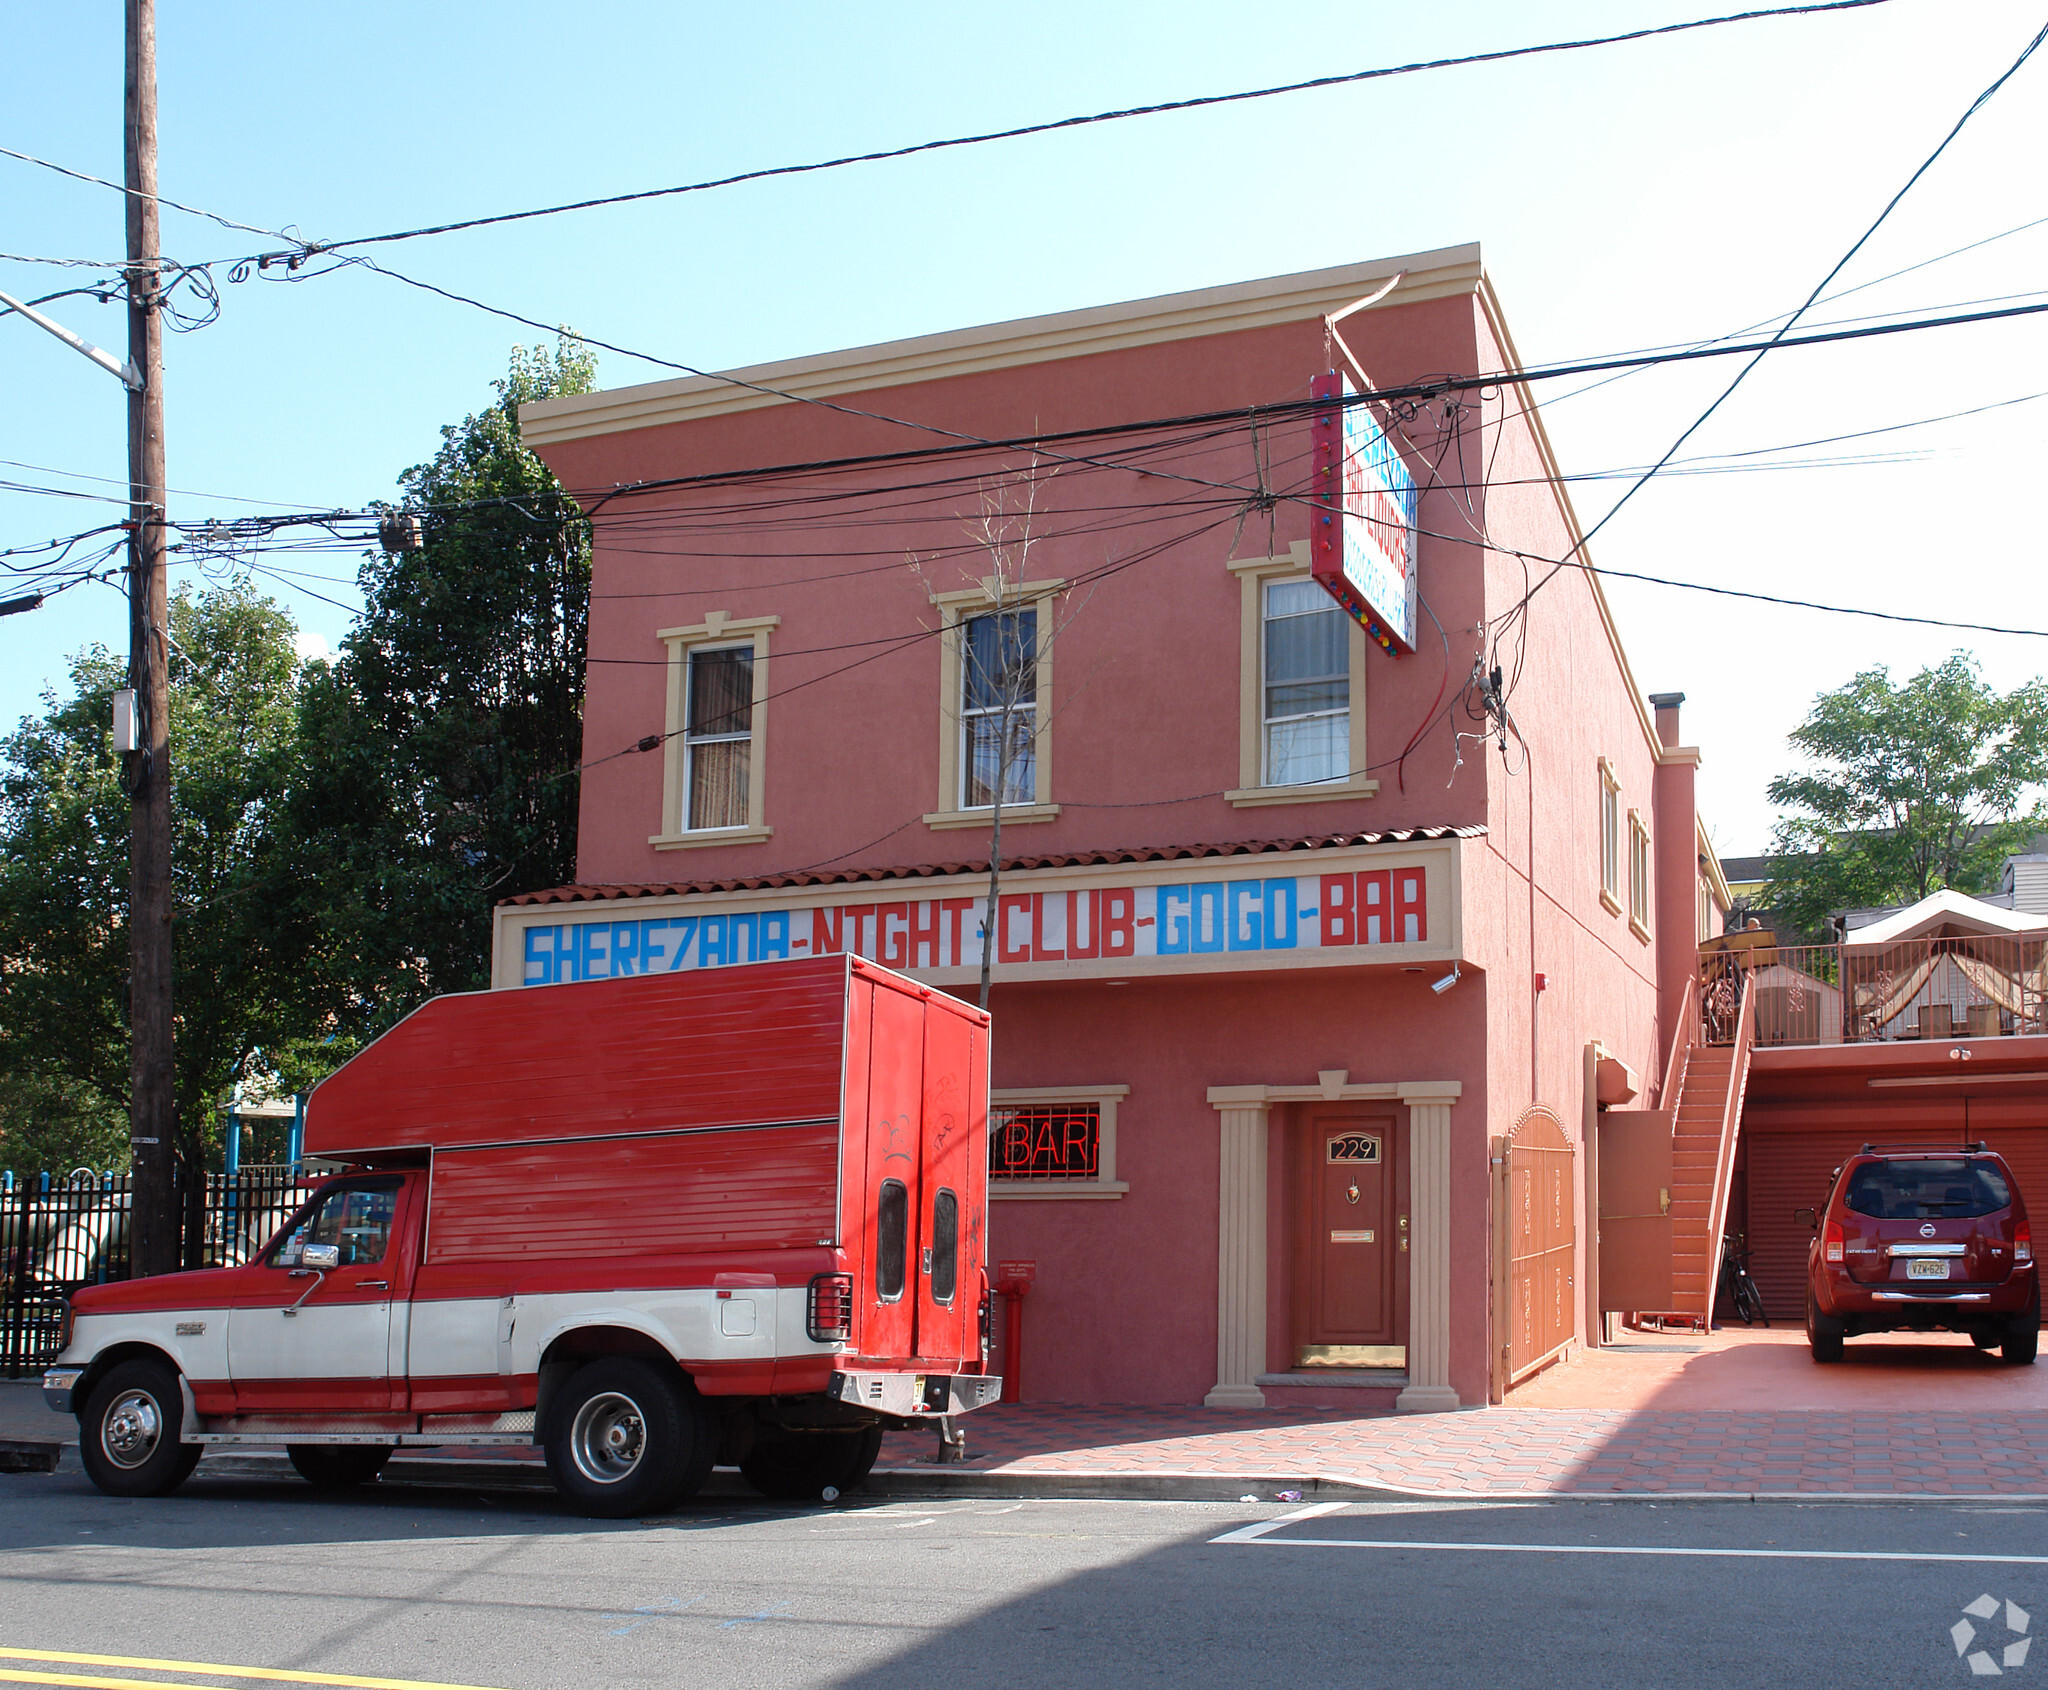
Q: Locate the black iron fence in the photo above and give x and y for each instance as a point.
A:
(59, 1232)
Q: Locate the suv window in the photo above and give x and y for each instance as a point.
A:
(1926, 1189)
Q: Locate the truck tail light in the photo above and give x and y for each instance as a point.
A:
(2023, 1243)
(1831, 1241)
(828, 1314)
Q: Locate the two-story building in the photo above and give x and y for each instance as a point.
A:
(1314, 951)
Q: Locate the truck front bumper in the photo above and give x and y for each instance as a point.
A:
(913, 1394)
(58, 1384)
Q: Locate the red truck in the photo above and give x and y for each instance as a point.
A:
(651, 1224)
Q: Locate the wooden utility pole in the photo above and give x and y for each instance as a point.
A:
(153, 1236)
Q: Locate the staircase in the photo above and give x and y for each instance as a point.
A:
(1707, 1121)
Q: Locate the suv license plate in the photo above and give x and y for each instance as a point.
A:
(1925, 1267)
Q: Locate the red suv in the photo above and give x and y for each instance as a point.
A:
(1919, 1240)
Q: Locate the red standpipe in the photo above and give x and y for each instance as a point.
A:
(1013, 1284)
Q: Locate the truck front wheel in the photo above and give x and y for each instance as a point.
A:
(625, 1438)
(338, 1466)
(128, 1434)
(801, 1466)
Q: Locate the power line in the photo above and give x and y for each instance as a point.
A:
(1018, 132)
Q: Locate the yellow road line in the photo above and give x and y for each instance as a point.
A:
(276, 1674)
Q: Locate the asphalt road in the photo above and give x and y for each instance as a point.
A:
(506, 1589)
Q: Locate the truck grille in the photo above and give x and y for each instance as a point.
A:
(828, 1313)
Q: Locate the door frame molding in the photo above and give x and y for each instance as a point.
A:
(1241, 1249)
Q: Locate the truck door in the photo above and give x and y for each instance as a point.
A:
(312, 1340)
(954, 1190)
(893, 1195)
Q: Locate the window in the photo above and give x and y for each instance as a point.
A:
(1306, 696)
(719, 736)
(714, 740)
(892, 1238)
(995, 703)
(1301, 679)
(1638, 874)
(1058, 1143)
(945, 1246)
(356, 1219)
(1610, 838)
(999, 708)
(1909, 1191)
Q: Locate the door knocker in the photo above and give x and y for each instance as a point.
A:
(1351, 1194)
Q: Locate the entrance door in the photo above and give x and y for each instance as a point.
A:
(1351, 1244)
(305, 1339)
(1542, 1237)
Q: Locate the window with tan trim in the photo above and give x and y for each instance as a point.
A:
(1638, 875)
(995, 703)
(715, 734)
(1301, 687)
(1054, 1143)
(1610, 838)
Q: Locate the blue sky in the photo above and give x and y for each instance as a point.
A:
(1625, 196)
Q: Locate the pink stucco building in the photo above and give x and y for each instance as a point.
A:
(1305, 991)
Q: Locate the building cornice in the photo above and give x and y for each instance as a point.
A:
(1304, 297)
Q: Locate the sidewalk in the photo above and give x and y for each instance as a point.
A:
(1742, 1413)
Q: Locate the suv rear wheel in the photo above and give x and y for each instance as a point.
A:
(1824, 1333)
(2023, 1336)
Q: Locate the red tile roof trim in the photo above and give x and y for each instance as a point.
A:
(1069, 859)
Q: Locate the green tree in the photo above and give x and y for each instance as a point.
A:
(1908, 789)
(444, 742)
(249, 976)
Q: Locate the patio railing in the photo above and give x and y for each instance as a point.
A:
(1965, 987)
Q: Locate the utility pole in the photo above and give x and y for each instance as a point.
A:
(154, 1231)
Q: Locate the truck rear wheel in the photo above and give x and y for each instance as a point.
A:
(128, 1434)
(625, 1437)
(800, 1466)
(338, 1466)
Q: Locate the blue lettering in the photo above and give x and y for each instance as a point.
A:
(1282, 912)
(1208, 924)
(774, 933)
(541, 959)
(1173, 922)
(712, 934)
(593, 951)
(688, 923)
(1247, 926)
(626, 947)
(750, 926)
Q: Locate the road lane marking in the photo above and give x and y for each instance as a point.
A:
(277, 1674)
(1250, 1534)
(1256, 1534)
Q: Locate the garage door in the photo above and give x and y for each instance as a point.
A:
(1790, 1170)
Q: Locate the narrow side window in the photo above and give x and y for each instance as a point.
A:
(892, 1237)
(945, 1246)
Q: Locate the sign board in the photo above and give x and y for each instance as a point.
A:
(1362, 515)
(1015, 1275)
(1109, 924)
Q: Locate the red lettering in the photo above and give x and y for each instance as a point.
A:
(1119, 905)
(1340, 924)
(1012, 904)
(1040, 951)
(1375, 907)
(956, 947)
(827, 931)
(924, 934)
(1411, 916)
(892, 927)
(1077, 903)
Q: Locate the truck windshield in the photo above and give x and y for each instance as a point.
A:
(356, 1219)
(1937, 1187)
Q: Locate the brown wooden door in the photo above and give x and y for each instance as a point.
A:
(1542, 1237)
(1351, 1244)
(1635, 1209)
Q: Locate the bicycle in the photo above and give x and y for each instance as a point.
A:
(1736, 1284)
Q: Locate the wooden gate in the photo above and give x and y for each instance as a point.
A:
(1540, 1242)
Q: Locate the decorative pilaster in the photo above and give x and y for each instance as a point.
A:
(1429, 1387)
(1240, 1247)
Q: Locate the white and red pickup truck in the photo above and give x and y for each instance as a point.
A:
(651, 1224)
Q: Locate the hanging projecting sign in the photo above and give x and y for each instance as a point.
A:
(1362, 514)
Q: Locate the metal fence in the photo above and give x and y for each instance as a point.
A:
(1964, 987)
(59, 1232)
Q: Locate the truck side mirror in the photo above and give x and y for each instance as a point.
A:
(322, 1258)
(1808, 1218)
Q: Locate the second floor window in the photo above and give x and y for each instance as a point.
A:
(718, 736)
(1610, 836)
(999, 708)
(1306, 694)
(1638, 871)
